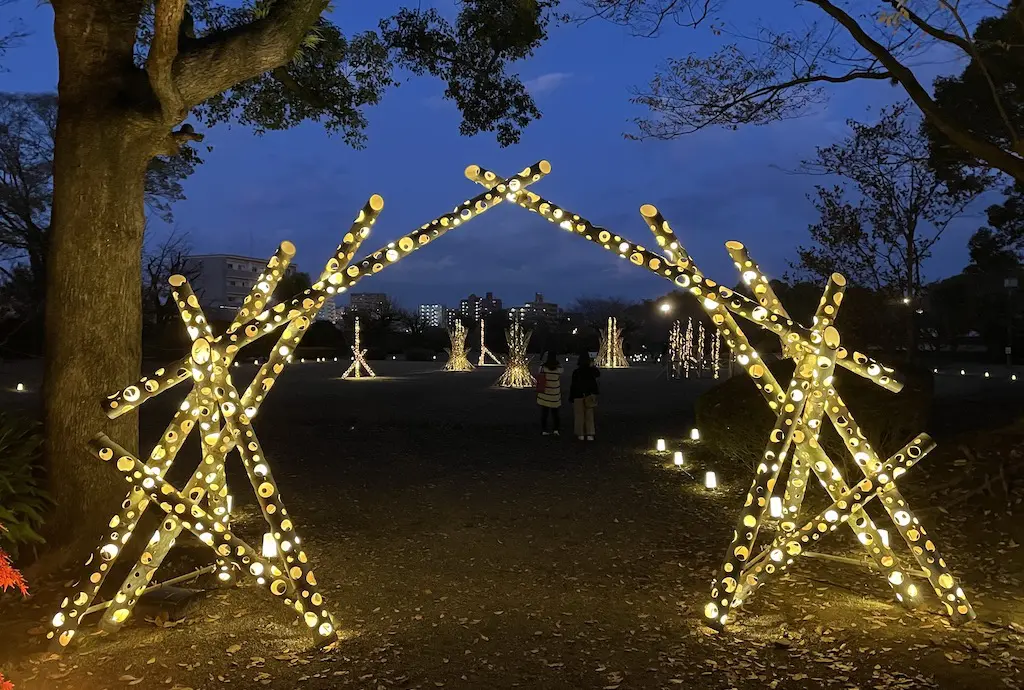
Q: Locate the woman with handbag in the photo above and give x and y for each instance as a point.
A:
(549, 393)
(583, 391)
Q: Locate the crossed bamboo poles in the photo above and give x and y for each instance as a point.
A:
(228, 427)
(225, 419)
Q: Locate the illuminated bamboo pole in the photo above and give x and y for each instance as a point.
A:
(123, 522)
(765, 382)
(358, 362)
(339, 281)
(785, 547)
(688, 347)
(200, 483)
(457, 356)
(716, 354)
(484, 351)
(688, 278)
(517, 372)
(675, 350)
(206, 482)
(923, 549)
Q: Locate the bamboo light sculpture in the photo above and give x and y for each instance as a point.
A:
(458, 359)
(702, 363)
(224, 419)
(517, 372)
(801, 407)
(485, 353)
(354, 370)
(676, 351)
(609, 351)
(716, 354)
(688, 360)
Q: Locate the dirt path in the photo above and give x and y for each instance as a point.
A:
(458, 548)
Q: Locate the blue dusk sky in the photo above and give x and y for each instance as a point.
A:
(305, 186)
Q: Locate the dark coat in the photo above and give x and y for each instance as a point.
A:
(584, 382)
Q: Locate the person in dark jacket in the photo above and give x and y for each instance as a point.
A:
(583, 391)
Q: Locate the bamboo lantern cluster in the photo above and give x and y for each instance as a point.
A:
(487, 358)
(458, 356)
(609, 352)
(355, 369)
(676, 351)
(517, 372)
(801, 406)
(223, 417)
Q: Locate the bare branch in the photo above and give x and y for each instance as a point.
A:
(996, 157)
(162, 51)
(212, 64)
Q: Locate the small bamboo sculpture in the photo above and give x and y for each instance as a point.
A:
(517, 371)
(457, 355)
(485, 353)
(609, 352)
(358, 361)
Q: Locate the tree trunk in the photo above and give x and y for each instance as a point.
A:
(93, 305)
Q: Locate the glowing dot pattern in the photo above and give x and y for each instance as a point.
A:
(517, 372)
(355, 369)
(609, 351)
(458, 356)
(685, 276)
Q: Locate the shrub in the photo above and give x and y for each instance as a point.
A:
(735, 421)
(23, 502)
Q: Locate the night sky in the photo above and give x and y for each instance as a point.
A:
(717, 185)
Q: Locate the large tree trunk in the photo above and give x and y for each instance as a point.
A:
(93, 306)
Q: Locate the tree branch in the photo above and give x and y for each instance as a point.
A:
(162, 51)
(215, 63)
(986, 151)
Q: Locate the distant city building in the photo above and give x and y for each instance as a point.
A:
(433, 315)
(367, 302)
(224, 280)
(536, 311)
(475, 308)
(450, 317)
(330, 312)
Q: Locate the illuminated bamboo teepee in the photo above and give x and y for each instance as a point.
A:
(688, 360)
(609, 351)
(801, 406)
(358, 360)
(458, 359)
(485, 353)
(224, 417)
(675, 350)
(517, 372)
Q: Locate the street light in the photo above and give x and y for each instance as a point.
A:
(665, 307)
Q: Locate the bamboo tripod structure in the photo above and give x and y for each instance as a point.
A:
(358, 360)
(609, 351)
(486, 353)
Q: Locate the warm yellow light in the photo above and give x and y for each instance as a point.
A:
(710, 480)
(884, 534)
(986, 374)
(695, 434)
(660, 445)
(269, 546)
(1013, 377)
(962, 372)
(775, 507)
(21, 387)
(678, 458)
(665, 308)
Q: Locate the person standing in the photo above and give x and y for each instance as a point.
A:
(549, 394)
(583, 391)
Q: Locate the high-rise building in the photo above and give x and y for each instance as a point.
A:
(330, 312)
(475, 308)
(367, 302)
(536, 311)
(433, 315)
(223, 281)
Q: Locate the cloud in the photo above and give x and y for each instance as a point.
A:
(546, 82)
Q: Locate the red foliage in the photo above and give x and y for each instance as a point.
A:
(5, 684)
(10, 577)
